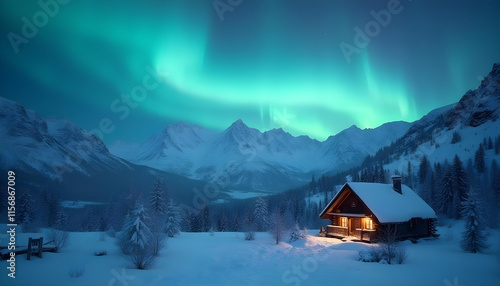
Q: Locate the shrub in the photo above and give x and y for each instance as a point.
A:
(142, 259)
(250, 235)
(76, 272)
(381, 255)
(400, 255)
(297, 234)
(59, 238)
(100, 252)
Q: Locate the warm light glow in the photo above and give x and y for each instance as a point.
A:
(368, 223)
(343, 221)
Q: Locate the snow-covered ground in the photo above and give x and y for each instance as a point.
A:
(227, 259)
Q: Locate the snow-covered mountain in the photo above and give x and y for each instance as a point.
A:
(50, 147)
(266, 161)
(57, 155)
(475, 117)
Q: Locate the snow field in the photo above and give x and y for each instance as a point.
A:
(227, 259)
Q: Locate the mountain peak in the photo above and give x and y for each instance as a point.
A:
(478, 106)
(239, 122)
(238, 125)
(277, 131)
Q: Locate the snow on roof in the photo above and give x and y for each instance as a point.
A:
(388, 205)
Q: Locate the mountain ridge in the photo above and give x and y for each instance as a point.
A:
(256, 153)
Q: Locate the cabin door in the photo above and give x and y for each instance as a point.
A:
(354, 223)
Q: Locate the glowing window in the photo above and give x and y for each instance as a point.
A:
(368, 223)
(343, 222)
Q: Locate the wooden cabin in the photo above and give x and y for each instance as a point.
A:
(361, 210)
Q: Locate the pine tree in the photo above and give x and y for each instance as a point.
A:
(157, 198)
(196, 221)
(460, 178)
(157, 222)
(236, 223)
(454, 189)
(173, 220)
(474, 238)
(277, 226)
(490, 143)
(297, 233)
(447, 193)
(479, 162)
(26, 211)
(423, 170)
(136, 234)
(410, 176)
(136, 238)
(261, 214)
(207, 223)
(61, 219)
(495, 187)
(313, 185)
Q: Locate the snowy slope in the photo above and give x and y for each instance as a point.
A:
(270, 161)
(474, 117)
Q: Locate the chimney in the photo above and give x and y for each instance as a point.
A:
(396, 183)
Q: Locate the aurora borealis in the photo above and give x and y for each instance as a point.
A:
(269, 63)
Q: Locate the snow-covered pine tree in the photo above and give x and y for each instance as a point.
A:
(474, 238)
(207, 223)
(61, 219)
(173, 219)
(495, 182)
(297, 233)
(446, 196)
(277, 226)
(26, 211)
(460, 185)
(58, 235)
(135, 239)
(261, 214)
(157, 198)
(157, 213)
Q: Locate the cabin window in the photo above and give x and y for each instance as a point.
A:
(368, 223)
(343, 221)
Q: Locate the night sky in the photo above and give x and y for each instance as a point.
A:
(141, 65)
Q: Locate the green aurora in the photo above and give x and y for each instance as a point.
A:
(270, 63)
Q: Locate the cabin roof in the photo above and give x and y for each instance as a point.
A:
(386, 204)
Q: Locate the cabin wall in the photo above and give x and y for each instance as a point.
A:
(413, 228)
(352, 204)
